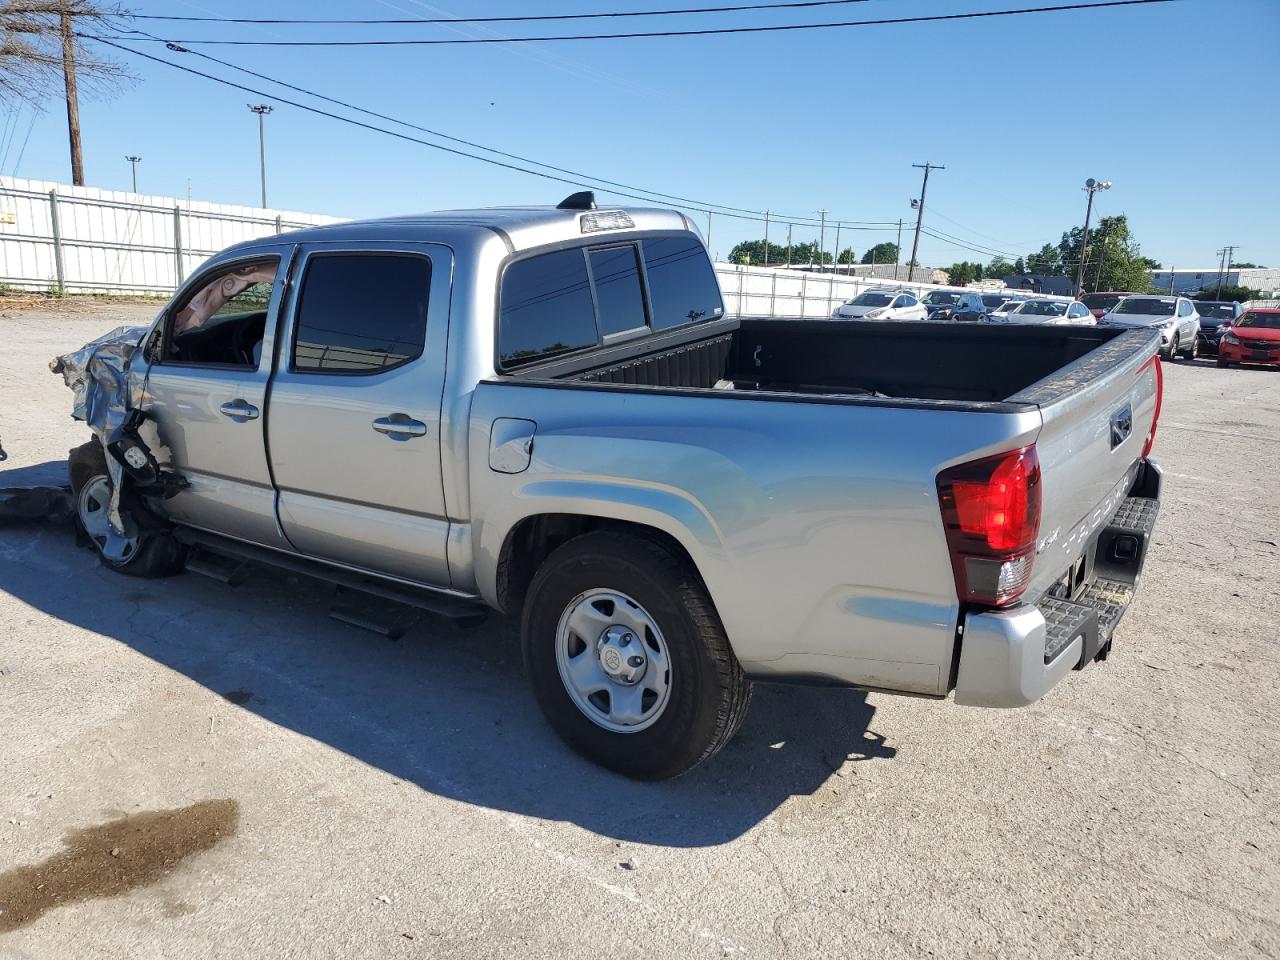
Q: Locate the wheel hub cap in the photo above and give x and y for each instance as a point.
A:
(613, 661)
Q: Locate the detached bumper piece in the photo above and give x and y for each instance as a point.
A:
(1010, 658)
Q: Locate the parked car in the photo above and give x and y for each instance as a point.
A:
(546, 411)
(1003, 311)
(1215, 317)
(1051, 312)
(969, 308)
(940, 302)
(1253, 338)
(882, 305)
(1174, 317)
(1101, 303)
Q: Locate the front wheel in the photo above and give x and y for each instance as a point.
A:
(1193, 351)
(627, 656)
(1223, 363)
(1173, 349)
(138, 551)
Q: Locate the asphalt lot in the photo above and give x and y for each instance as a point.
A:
(350, 796)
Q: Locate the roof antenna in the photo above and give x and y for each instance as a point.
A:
(585, 200)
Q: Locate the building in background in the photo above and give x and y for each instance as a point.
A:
(1266, 279)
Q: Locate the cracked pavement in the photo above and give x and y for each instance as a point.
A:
(406, 799)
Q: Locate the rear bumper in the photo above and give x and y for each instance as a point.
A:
(1010, 658)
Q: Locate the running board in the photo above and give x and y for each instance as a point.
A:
(234, 555)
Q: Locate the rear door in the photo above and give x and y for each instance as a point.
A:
(353, 422)
(206, 393)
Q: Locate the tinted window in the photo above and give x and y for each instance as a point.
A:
(546, 308)
(682, 285)
(994, 300)
(941, 298)
(361, 313)
(1150, 306)
(869, 299)
(1216, 311)
(616, 274)
(1270, 321)
(908, 300)
(1101, 301)
(223, 322)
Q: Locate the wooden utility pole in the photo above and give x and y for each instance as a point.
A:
(73, 102)
(924, 188)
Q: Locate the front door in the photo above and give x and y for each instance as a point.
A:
(206, 393)
(353, 420)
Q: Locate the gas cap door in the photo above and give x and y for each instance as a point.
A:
(511, 444)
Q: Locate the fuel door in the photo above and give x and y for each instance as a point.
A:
(511, 444)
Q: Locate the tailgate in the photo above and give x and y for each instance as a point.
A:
(1097, 414)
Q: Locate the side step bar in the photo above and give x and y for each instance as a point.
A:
(225, 560)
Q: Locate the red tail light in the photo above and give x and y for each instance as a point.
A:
(991, 512)
(1155, 417)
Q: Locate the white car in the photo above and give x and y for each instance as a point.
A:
(882, 305)
(1002, 311)
(1056, 312)
(1174, 317)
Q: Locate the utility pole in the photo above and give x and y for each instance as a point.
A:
(73, 100)
(1222, 262)
(822, 235)
(1091, 186)
(789, 226)
(835, 263)
(915, 244)
(262, 110)
(708, 231)
(133, 164)
(897, 257)
(1226, 274)
(766, 238)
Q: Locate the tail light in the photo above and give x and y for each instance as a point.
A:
(991, 512)
(1155, 417)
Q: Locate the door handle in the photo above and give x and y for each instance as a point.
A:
(239, 410)
(400, 426)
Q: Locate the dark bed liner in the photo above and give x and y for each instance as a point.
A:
(927, 361)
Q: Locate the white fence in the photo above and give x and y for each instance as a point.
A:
(86, 240)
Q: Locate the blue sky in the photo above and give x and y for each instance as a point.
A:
(1020, 110)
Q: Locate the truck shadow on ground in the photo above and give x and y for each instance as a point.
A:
(444, 708)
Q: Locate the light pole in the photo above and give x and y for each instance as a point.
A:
(262, 109)
(924, 188)
(766, 238)
(133, 164)
(822, 235)
(1091, 186)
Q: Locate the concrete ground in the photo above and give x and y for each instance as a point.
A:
(332, 793)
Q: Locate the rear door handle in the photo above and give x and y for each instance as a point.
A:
(400, 426)
(239, 410)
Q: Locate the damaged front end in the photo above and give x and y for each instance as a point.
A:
(111, 403)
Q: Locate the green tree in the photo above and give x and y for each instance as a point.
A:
(881, 253)
(1238, 294)
(999, 268)
(847, 255)
(1019, 266)
(752, 252)
(1047, 262)
(958, 274)
(1243, 265)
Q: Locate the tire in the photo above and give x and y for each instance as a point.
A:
(156, 554)
(706, 694)
(1173, 348)
(1223, 363)
(1193, 351)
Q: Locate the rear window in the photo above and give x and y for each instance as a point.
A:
(994, 300)
(616, 275)
(1043, 308)
(361, 313)
(941, 298)
(682, 285)
(546, 308)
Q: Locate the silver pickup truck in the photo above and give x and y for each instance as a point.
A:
(546, 411)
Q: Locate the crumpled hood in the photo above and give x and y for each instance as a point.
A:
(98, 375)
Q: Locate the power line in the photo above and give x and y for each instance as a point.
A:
(667, 197)
(523, 18)
(708, 31)
(426, 143)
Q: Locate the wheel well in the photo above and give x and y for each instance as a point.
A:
(534, 538)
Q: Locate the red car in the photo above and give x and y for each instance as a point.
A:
(1102, 301)
(1253, 337)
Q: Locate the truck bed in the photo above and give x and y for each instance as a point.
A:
(944, 362)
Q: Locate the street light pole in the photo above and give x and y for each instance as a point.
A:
(766, 238)
(1091, 186)
(262, 109)
(133, 164)
(915, 244)
(822, 235)
(789, 226)
(897, 251)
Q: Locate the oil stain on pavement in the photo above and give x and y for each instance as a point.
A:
(114, 858)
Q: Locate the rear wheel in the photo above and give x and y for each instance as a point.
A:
(627, 657)
(1173, 348)
(1193, 351)
(143, 549)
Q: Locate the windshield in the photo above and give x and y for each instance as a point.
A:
(1101, 301)
(1266, 321)
(1148, 306)
(941, 298)
(870, 298)
(1216, 311)
(1042, 308)
(994, 300)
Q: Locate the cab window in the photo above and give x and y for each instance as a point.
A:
(222, 323)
